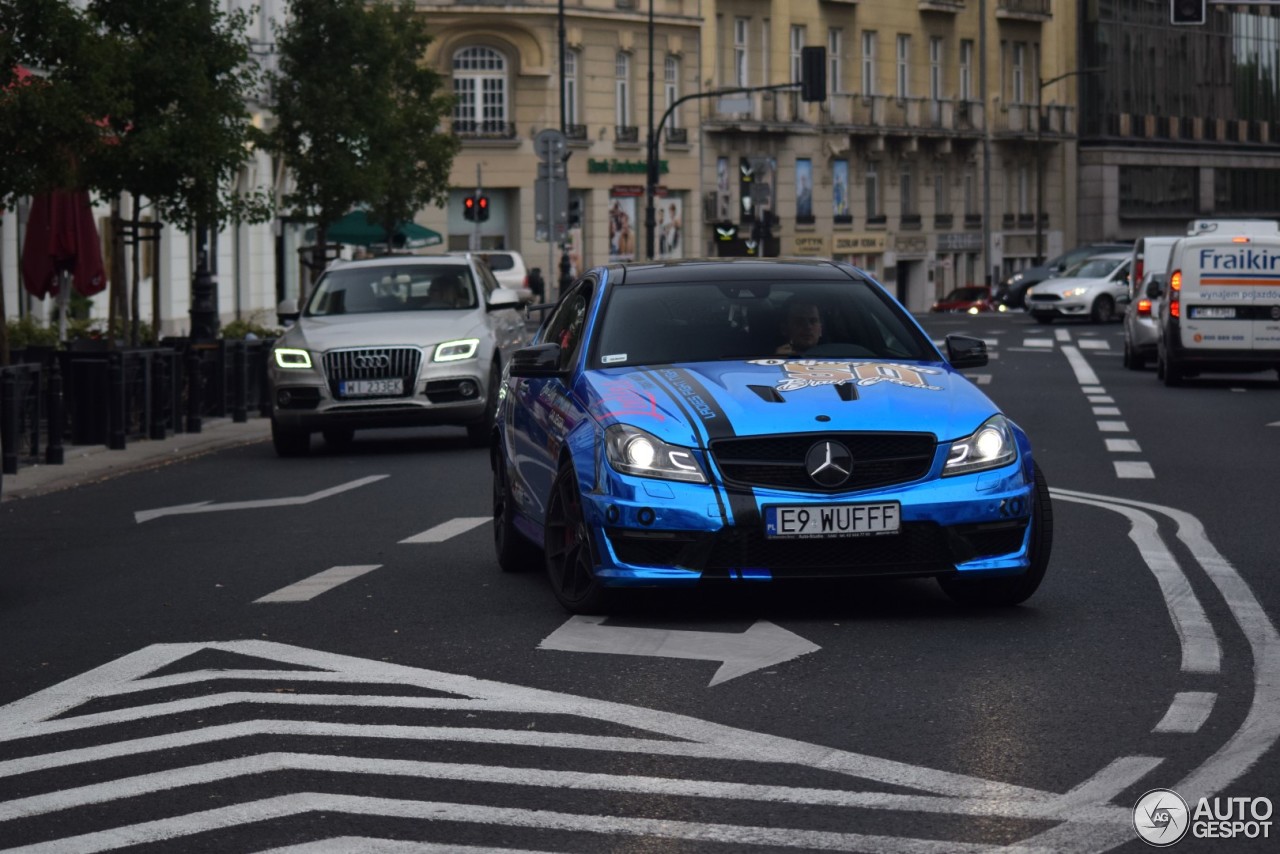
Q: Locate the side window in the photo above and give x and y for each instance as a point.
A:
(487, 280)
(567, 325)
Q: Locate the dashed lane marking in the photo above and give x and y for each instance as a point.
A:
(448, 530)
(310, 588)
(1101, 398)
(1106, 410)
(1123, 446)
(1094, 344)
(1133, 469)
(1113, 427)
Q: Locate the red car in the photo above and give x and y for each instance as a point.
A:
(971, 299)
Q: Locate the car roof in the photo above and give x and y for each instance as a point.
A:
(1110, 256)
(727, 269)
(400, 261)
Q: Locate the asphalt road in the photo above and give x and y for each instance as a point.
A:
(170, 686)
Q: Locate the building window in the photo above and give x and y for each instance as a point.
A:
(1017, 94)
(797, 46)
(907, 192)
(1174, 191)
(570, 94)
(873, 191)
(868, 62)
(941, 194)
(970, 194)
(622, 88)
(935, 68)
(835, 44)
(966, 70)
(904, 66)
(480, 90)
(740, 45)
(671, 88)
(1024, 190)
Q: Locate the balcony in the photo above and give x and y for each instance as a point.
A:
(488, 129)
(678, 136)
(575, 133)
(910, 222)
(973, 220)
(1056, 120)
(1024, 10)
(884, 114)
(942, 221)
(949, 7)
(627, 133)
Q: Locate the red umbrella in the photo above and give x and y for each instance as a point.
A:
(62, 237)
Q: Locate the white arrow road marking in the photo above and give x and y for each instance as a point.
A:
(448, 530)
(1188, 712)
(310, 588)
(208, 507)
(762, 645)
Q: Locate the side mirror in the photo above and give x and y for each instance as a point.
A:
(966, 352)
(540, 360)
(1155, 286)
(287, 312)
(501, 298)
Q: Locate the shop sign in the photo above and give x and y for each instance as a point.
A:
(810, 244)
(614, 166)
(869, 242)
(960, 241)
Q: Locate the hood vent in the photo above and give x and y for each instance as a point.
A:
(768, 393)
(847, 391)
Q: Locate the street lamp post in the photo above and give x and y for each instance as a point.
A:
(1040, 153)
(651, 171)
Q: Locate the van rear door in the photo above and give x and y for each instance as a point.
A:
(1230, 292)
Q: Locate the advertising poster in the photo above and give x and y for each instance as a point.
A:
(804, 189)
(840, 188)
(622, 228)
(724, 189)
(669, 228)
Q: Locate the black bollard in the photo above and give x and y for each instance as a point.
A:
(160, 393)
(8, 423)
(240, 368)
(57, 417)
(195, 389)
(115, 401)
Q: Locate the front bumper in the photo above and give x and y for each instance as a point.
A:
(1058, 308)
(974, 524)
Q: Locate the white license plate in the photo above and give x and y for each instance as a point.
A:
(1210, 312)
(371, 388)
(832, 520)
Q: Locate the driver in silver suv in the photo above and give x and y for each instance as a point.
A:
(397, 341)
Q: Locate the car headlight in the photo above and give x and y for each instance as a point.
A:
(1074, 292)
(988, 447)
(287, 357)
(1015, 278)
(631, 450)
(453, 351)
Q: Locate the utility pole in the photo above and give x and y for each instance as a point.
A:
(650, 216)
(988, 272)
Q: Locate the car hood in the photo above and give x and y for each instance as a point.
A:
(402, 328)
(766, 396)
(1061, 286)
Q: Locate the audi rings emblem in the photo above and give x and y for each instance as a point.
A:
(829, 464)
(369, 361)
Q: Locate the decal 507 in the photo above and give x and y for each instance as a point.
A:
(803, 373)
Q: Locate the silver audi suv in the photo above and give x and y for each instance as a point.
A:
(397, 341)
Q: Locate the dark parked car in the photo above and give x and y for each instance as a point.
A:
(1012, 291)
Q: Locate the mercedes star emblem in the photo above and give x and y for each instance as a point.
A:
(829, 464)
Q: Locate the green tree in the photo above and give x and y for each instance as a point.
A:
(358, 113)
(51, 111)
(188, 132)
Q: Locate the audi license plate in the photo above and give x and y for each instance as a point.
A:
(832, 520)
(371, 388)
(1213, 312)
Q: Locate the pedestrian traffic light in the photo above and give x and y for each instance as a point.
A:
(813, 73)
(469, 208)
(482, 208)
(575, 212)
(1187, 11)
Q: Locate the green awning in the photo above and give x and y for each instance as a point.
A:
(357, 230)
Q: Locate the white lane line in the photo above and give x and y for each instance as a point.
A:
(1123, 446)
(1188, 712)
(310, 588)
(448, 530)
(1094, 344)
(991, 342)
(636, 784)
(1084, 373)
(1037, 342)
(1239, 389)
(981, 379)
(369, 845)
(293, 501)
(1101, 398)
(1103, 786)
(1106, 410)
(1113, 427)
(1133, 469)
(1093, 389)
(1201, 652)
(1062, 334)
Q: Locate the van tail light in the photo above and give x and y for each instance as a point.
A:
(1175, 292)
(526, 280)
(1137, 270)
(1144, 308)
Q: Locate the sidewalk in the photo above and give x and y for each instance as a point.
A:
(87, 463)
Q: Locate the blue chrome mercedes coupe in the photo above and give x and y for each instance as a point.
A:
(753, 420)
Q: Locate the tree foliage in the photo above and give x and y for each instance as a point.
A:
(358, 115)
(186, 132)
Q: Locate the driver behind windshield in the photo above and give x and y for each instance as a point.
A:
(802, 327)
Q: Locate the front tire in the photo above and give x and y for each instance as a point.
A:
(289, 443)
(569, 556)
(478, 433)
(1103, 310)
(1006, 592)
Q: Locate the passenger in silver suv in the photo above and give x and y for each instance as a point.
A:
(397, 341)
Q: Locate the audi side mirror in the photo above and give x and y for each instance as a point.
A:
(287, 312)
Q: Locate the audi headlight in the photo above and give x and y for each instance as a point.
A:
(287, 357)
(453, 351)
(631, 450)
(988, 447)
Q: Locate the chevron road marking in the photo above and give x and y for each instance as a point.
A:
(209, 507)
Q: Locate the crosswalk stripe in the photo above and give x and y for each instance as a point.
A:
(448, 530)
(1094, 344)
(1037, 342)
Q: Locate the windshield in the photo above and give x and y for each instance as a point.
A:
(412, 287)
(1093, 268)
(499, 262)
(705, 321)
(966, 295)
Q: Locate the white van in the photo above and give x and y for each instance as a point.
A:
(1200, 227)
(1221, 306)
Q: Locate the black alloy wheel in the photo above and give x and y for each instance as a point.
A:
(570, 562)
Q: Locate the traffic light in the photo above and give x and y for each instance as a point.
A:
(575, 212)
(1187, 11)
(813, 73)
(482, 208)
(469, 208)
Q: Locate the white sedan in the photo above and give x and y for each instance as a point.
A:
(1091, 289)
